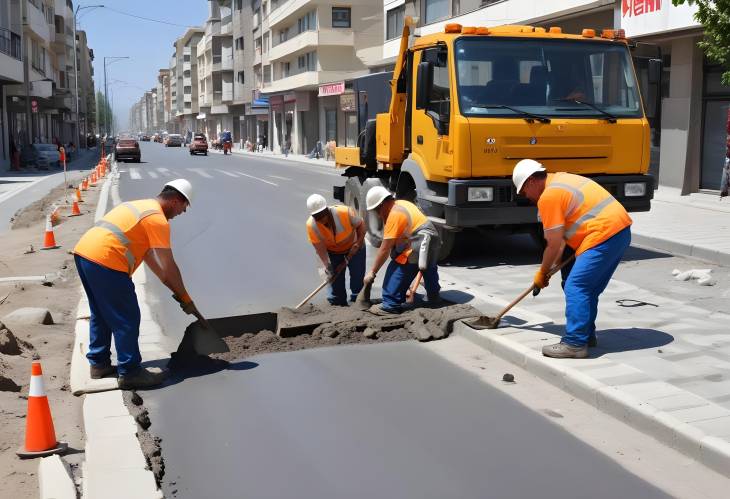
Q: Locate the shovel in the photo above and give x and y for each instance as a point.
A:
(486, 322)
(202, 337)
(324, 283)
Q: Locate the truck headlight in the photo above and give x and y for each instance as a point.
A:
(480, 194)
(635, 189)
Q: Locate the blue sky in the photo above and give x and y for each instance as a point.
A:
(148, 44)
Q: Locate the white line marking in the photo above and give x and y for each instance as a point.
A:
(259, 179)
(164, 172)
(134, 174)
(224, 172)
(280, 178)
(200, 172)
(152, 174)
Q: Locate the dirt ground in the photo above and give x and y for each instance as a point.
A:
(59, 293)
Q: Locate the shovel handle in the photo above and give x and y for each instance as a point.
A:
(339, 269)
(529, 290)
(197, 313)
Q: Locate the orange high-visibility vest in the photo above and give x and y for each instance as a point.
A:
(403, 211)
(119, 241)
(344, 235)
(587, 212)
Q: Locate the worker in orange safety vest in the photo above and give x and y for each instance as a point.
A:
(338, 236)
(106, 257)
(581, 217)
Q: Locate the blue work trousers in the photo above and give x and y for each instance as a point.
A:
(587, 279)
(337, 293)
(114, 311)
(398, 277)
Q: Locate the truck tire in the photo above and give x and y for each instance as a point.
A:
(373, 224)
(353, 195)
(448, 238)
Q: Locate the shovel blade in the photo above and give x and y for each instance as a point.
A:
(205, 340)
(363, 297)
(483, 322)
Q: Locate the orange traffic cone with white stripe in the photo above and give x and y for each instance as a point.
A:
(78, 195)
(40, 436)
(49, 240)
(85, 184)
(75, 212)
(93, 179)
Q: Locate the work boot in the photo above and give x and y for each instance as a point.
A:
(142, 378)
(384, 312)
(592, 341)
(434, 299)
(102, 371)
(565, 351)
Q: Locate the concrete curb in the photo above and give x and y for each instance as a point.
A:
(114, 466)
(680, 248)
(54, 479)
(570, 375)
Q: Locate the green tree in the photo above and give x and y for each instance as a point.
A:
(714, 15)
(104, 113)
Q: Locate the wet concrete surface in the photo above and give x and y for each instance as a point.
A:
(367, 421)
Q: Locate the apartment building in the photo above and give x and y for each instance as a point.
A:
(163, 93)
(215, 70)
(309, 51)
(244, 117)
(87, 99)
(11, 73)
(184, 83)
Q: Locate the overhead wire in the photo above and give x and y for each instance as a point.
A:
(149, 19)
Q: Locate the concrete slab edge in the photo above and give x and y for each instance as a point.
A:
(54, 479)
(708, 254)
(709, 450)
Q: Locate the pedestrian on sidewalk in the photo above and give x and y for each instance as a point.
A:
(577, 212)
(106, 257)
(338, 236)
(412, 242)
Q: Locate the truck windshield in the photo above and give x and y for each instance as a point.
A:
(557, 78)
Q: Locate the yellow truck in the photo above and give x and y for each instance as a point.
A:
(466, 104)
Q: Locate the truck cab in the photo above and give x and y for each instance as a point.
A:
(467, 104)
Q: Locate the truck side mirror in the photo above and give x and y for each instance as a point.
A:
(654, 71)
(424, 85)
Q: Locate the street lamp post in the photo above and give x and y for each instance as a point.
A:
(76, 72)
(112, 60)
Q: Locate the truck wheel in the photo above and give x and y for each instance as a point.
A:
(448, 238)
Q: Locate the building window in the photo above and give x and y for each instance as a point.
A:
(239, 43)
(307, 62)
(307, 22)
(285, 69)
(341, 17)
(436, 10)
(186, 58)
(394, 23)
(187, 89)
(240, 77)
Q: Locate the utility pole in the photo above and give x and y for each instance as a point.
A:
(76, 72)
(26, 73)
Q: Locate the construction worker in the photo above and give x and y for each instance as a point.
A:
(412, 242)
(338, 237)
(577, 212)
(106, 257)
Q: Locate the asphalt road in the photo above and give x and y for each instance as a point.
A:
(375, 421)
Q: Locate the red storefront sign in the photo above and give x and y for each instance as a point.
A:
(630, 8)
(332, 89)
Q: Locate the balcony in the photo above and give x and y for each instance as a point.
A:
(38, 23)
(310, 40)
(282, 10)
(227, 25)
(221, 63)
(257, 57)
(309, 80)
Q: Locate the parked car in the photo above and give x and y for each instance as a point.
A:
(145, 138)
(174, 140)
(47, 155)
(199, 144)
(128, 150)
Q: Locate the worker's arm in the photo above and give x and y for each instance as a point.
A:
(380, 258)
(162, 263)
(359, 242)
(553, 250)
(321, 251)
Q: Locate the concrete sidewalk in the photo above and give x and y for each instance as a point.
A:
(696, 225)
(297, 158)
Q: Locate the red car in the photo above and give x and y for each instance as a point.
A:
(198, 145)
(127, 150)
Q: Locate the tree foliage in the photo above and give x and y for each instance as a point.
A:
(714, 15)
(104, 111)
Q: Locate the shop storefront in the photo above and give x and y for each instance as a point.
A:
(690, 138)
(338, 111)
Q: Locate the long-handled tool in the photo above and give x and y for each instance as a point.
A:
(486, 322)
(339, 269)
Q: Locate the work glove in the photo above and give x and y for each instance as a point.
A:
(540, 281)
(369, 278)
(327, 272)
(189, 308)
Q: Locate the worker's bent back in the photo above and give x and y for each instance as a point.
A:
(120, 240)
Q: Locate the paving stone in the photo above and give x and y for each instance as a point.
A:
(104, 405)
(29, 316)
(701, 413)
(54, 479)
(113, 426)
(115, 453)
(682, 400)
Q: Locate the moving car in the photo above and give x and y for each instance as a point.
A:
(199, 144)
(157, 138)
(174, 140)
(145, 138)
(127, 150)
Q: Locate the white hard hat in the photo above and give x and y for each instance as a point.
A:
(523, 169)
(376, 196)
(183, 187)
(316, 203)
